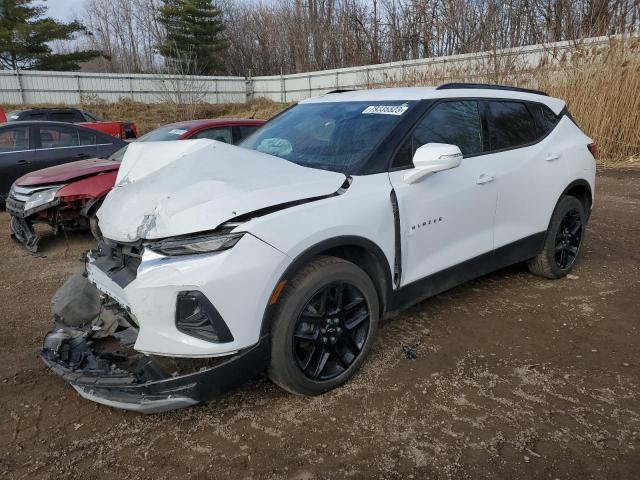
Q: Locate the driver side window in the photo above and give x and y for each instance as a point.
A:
(456, 123)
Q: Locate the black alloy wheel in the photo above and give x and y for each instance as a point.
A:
(568, 239)
(331, 331)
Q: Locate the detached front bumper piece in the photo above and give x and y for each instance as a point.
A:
(148, 384)
(22, 231)
(92, 343)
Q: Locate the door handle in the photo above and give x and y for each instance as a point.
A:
(23, 162)
(552, 156)
(485, 178)
(82, 155)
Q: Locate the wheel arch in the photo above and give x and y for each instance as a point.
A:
(580, 189)
(361, 251)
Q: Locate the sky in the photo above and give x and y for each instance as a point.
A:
(64, 9)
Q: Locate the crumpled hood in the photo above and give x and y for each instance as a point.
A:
(166, 189)
(67, 171)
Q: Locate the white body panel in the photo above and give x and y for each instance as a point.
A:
(446, 218)
(487, 201)
(530, 180)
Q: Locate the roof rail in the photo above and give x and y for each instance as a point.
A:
(488, 86)
(341, 91)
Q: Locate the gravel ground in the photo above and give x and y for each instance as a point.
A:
(516, 377)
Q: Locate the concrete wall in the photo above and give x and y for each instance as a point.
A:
(71, 87)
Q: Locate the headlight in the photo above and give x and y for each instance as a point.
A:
(212, 242)
(39, 199)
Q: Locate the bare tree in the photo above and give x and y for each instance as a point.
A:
(126, 31)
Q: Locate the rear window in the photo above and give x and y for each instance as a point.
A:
(91, 117)
(163, 134)
(511, 125)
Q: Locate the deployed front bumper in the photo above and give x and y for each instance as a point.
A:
(130, 292)
(238, 282)
(21, 225)
(148, 389)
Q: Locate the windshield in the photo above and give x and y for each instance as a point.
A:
(335, 136)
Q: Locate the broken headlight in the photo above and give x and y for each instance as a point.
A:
(40, 200)
(212, 242)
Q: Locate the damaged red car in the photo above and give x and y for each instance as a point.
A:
(66, 197)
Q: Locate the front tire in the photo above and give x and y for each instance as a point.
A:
(93, 222)
(563, 241)
(323, 328)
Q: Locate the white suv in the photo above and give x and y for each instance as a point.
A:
(221, 262)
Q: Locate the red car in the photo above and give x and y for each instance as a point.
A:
(67, 197)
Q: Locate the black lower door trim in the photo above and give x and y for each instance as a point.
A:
(436, 283)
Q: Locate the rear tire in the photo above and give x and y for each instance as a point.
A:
(325, 322)
(563, 241)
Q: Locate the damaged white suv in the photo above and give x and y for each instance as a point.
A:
(221, 262)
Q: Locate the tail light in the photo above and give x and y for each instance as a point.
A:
(128, 130)
(593, 148)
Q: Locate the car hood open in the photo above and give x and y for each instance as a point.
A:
(67, 172)
(166, 189)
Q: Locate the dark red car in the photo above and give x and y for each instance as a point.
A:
(67, 197)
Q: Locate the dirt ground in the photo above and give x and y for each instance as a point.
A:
(517, 377)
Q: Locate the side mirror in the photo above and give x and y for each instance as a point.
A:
(431, 158)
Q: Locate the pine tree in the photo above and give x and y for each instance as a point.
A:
(25, 34)
(193, 36)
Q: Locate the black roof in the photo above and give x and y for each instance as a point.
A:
(488, 86)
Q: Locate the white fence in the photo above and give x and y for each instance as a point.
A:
(31, 87)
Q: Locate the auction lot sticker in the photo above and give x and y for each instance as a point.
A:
(386, 109)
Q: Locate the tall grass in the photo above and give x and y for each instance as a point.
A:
(602, 91)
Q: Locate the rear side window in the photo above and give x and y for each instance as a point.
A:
(546, 119)
(456, 123)
(14, 139)
(58, 137)
(511, 125)
(87, 138)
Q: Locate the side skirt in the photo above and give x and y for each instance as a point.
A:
(436, 283)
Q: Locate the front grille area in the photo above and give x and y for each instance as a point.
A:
(119, 261)
(22, 194)
(15, 207)
(19, 195)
